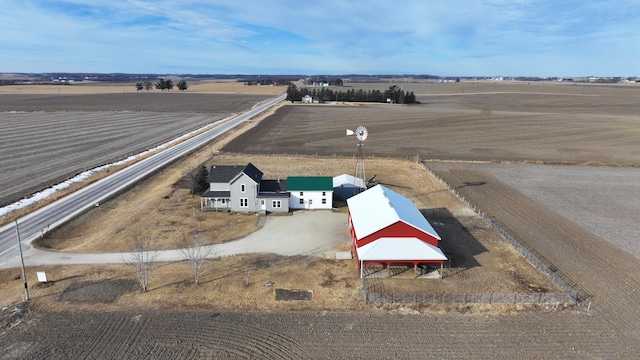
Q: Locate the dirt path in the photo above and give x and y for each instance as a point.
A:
(608, 276)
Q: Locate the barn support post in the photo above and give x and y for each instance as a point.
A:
(415, 270)
(441, 270)
(364, 288)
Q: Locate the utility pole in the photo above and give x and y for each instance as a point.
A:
(24, 273)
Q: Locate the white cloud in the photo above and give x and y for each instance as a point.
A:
(333, 36)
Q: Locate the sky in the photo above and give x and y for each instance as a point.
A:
(561, 38)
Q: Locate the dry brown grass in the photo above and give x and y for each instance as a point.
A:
(154, 204)
(168, 212)
(334, 285)
(16, 214)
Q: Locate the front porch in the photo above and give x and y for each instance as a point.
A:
(215, 204)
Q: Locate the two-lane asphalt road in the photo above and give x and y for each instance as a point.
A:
(60, 211)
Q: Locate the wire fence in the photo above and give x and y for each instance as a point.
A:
(570, 288)
(486, 298)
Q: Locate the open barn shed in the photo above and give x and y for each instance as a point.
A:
(387, 228)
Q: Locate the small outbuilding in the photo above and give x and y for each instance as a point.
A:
(345, 186)
(386, 228)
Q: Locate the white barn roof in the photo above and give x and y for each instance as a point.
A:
(375, 209)
(399, 249)
(345, 179)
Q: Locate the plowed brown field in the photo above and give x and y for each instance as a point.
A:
(46, 139)
(561, 124)
(314, 335)
(555, 127)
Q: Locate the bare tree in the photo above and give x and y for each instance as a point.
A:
(178, 197)
(141, 257)
(248, 265)
(196, 253)
(247, 273)
(188, 175)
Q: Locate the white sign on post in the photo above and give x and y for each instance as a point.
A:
(42, 276)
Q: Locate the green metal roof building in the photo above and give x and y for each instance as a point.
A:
(309, 183)
(310, 192)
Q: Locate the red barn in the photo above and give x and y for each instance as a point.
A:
(386, 228)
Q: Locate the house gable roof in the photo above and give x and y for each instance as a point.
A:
(227, 173)
(309, 183)
(349, 181)
(273, 186)
(379, 207)
(216, 194)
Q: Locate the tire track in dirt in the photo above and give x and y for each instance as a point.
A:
(317, 335)
(608, 274)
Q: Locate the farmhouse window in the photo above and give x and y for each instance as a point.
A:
(243, 188)
(301, 201)
(324, 201)
(301, 193)
(244, 202)
(324, 193)
(276, 204)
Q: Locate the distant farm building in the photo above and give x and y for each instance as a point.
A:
(386, 228)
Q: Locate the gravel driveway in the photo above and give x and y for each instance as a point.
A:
(301, 233)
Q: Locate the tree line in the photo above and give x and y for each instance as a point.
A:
(162, 85)
(393, 95)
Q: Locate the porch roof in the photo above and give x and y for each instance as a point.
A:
(216, 194)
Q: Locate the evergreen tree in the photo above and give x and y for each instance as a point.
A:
(182, 85)
(201, 181)
(160, 85)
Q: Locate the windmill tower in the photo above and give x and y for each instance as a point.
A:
(361, 133)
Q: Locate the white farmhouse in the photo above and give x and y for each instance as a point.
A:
(310, 192)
